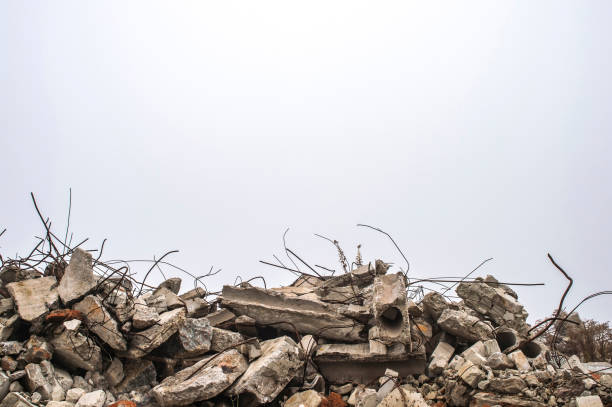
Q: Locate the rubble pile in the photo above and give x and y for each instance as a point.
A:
(69, 337)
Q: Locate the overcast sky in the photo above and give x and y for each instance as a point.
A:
(466, 130)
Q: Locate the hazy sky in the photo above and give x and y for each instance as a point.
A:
(467, 130)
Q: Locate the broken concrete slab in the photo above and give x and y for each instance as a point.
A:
(41, 378)
(464, 325)
(202, 381)
(440, 357)
(78, 279)
(266, 377)
(495, 302)
(499, 361)
(222, 318)
(485, 399)
(195, 336)
(137, 373)
(470, 373)
(172, 300)
(35, 297)
(507, 385)
(308, 317)
(145, 341)
(173, 284)
(100, 322)
(342, 363)
(433, 305)
(143, 316)
(520, 360)
(74, 349)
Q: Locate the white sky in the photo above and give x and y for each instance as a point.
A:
(467, 130)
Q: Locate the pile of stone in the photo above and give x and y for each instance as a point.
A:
(71, 338)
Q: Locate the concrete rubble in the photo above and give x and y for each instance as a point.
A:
(72, 338)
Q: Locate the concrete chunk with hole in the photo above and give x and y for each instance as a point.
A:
(390, 309)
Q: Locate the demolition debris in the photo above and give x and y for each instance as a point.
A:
(75, 331)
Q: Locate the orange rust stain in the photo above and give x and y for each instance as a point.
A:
(333, 400)
(62, 315)
(123, 403)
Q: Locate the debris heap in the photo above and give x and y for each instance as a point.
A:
(69, 337)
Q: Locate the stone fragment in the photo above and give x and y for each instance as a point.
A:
(100, 322)
(470, 374)
(73, 395)
(137, 373)
(433, 305)
(10, 348)
(507, 385)
(151, 338)
(464, 325)
(34, 297)
(308, 398)
(172, 300)
(63, 378)
(74, 349)
(221, 318)
(81, 383)
(78, 279)
(520, 360)
(494, 302)
(8, 363)
(223, 339)
(36, 350)
(490, 347)
(475, 353)
(6, 326)
(440, 357)
(363, 397)
(197, 307)
(6, 305)
(144, 316)
(114, 372)
(60, 404)
(499, 361)
(202, 381)
(5, 383)
(588, 401)
(195, 336)
(14, 399)
(173, 284)
(279, 362)
(156, 301)
(41, 378)
(307, 316)
(403, 396)
(93, 399)
(390, 309)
